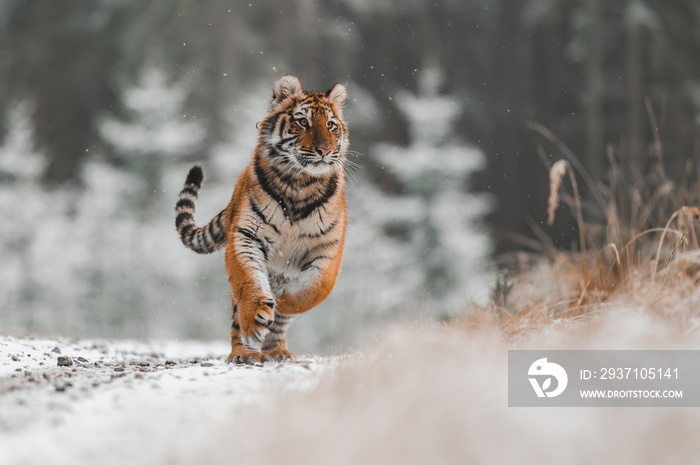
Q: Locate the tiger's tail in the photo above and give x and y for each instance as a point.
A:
(208, 238)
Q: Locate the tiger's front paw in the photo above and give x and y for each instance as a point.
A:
(242, 354)
(256, 321)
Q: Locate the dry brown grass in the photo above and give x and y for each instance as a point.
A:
(638, 247)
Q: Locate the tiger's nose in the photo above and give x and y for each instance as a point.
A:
(323, 151)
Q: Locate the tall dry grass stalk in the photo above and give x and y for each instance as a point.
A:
(556, 174)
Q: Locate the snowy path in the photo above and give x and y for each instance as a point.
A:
(126, 402)
(442, 399)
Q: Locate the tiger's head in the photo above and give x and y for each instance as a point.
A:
(305, 130)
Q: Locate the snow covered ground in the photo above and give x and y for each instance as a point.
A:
(425, 394)
(126, 402)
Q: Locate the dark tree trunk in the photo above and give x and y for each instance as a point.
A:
(513, 167)
(636, 159)
(67, 87)
(595, 91)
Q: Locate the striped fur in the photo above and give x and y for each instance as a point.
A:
(284, 229)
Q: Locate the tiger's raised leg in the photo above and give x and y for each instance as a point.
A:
(321, 279)
(275, 344)
(253, 303)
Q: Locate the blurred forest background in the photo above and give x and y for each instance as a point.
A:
(106, 104)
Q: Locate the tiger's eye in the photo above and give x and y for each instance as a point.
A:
(331, 125)
(303, 122)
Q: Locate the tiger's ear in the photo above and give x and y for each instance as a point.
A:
(337, 94)
(286, 86)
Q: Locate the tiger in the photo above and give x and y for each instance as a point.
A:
(284, 229)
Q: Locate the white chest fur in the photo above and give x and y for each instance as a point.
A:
(292, 248)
